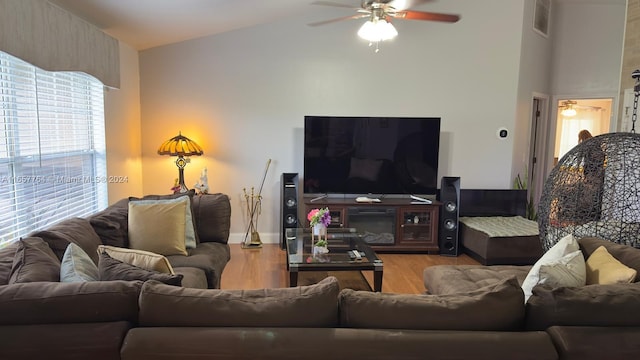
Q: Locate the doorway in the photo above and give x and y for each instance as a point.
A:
(575, 115)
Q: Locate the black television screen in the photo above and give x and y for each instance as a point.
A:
(370, 155)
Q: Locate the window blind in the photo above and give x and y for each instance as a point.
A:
(52, 147)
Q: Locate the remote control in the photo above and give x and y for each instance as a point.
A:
(417, 198)
(357, 254)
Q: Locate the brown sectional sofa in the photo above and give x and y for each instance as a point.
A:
(589, 322)
(89, 320)
(152, 320)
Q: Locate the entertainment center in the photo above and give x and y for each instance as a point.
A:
(392, 225)
(384, 163)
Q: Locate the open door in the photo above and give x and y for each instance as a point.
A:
(575, 115)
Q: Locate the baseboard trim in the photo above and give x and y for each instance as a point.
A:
(266, 238)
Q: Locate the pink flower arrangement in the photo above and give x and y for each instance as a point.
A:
(319, 216)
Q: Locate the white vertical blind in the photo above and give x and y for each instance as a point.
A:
(52, 147)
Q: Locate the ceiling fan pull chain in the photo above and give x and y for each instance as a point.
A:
(636, 90)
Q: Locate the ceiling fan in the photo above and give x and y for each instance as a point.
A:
(379, 12)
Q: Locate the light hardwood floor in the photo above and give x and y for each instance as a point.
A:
(266, 268)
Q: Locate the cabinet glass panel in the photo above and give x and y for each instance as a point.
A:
(416, 226)
(336, 218)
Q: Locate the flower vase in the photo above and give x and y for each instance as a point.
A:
(319, 233)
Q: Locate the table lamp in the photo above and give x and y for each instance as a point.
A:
(180, 146)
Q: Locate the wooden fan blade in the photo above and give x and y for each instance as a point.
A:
(358, 16)
(331, 3)
(400, 5)
(430, 16)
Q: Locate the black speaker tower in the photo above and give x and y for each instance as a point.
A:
(449, 213)
(288, 205)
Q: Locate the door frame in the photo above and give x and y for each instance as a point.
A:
(539, 142)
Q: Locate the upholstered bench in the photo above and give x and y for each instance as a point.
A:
(501, 240)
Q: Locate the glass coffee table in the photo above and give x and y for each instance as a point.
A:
(341, 241)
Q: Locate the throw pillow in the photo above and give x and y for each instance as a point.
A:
(34, 261)
(497, 307)
(72, 230)
(603, 268)
(189, 230)
(77, 266)
(7, 254)
(564, 246)
(569, 270)
(191, 194)
(140, 258)
(159, 228)
(112, 269)
(111, 224)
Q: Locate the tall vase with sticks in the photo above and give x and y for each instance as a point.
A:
(254, 204)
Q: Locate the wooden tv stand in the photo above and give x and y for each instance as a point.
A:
(416, 225)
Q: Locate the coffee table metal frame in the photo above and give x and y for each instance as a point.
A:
(300, 257)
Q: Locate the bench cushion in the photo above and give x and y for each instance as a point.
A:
(454, 279)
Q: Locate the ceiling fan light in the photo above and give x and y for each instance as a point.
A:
(367, 31)
(568, 109)
(387, 30)
(377, 30)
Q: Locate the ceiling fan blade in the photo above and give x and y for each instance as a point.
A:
(400, 5)
(331, 3)
(359, 16)
(423, 15)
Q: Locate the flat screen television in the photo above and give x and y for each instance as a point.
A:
(371, 155)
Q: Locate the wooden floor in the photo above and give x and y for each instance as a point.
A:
(266, 268)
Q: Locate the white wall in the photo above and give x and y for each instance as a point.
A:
(535, 66)
(587, 49)
(243, 96)
(122, 128)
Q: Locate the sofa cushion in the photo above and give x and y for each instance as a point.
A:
(76, 265)
(74, 230)
(192, 277)
(189, 231)
(562, 248)
(67, 303)
(112, 269)
(595, 342)
(200, 343)
(140, 258)
(457, 279)
(159, 228)
(111, 224)
(497, 307)
(591, 305)
(211, 257)
(212, 214)
(603, 268)
(627, 255)
(34, 261)
(7, 254)
(94, 341)
(304, 306)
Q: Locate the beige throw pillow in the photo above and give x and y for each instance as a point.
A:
(190, 241)
(603, 268)
(140, 258)
(159, 228)
(562, 248)
(569, 270)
